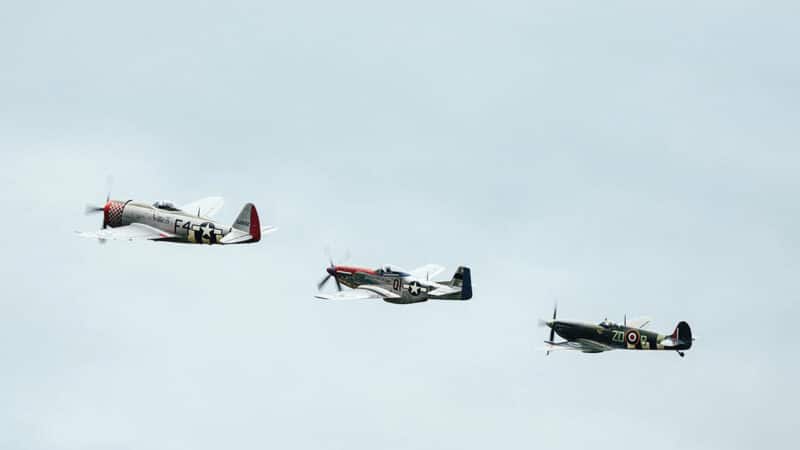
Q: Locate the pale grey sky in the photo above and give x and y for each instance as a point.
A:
(621, 157)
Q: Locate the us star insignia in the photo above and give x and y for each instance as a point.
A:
(414, 288)
(206, 229)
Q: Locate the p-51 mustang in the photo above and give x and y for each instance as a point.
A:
(393, 285)
(164, 222)
(605, 336)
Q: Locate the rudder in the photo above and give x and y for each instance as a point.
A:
(683, 335)
(248, 222)
(463, 279)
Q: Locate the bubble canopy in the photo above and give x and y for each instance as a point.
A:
(389, 270)
(165, 205)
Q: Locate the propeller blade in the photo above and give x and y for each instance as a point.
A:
(322, 283)
(553, 328)
(331, 271)
(109, 183)
(92, 209)
(335, 278)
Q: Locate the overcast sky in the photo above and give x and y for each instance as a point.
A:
(622, 158)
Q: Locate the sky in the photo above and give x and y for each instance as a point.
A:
(619, 158)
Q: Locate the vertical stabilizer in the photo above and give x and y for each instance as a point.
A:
(682, 336)
(248, 222)
(463, 279)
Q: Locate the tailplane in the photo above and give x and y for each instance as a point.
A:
(458, 288)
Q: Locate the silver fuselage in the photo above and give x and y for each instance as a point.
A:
(410, 289)
(180, 226)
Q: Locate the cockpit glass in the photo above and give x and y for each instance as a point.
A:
(165, 205)
(391, 270)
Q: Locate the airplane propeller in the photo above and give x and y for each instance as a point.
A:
(94, 209)
(331, 274)
(543, 323)
(332, 269)
(91, 209)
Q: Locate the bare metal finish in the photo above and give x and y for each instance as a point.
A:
(163, 221)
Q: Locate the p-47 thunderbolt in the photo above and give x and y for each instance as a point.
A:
(164, 222)
(590, 338)
(395, 285)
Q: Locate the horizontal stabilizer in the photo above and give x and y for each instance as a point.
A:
(442, 290)
(236, 237)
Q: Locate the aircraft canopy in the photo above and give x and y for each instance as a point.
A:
(165, 205)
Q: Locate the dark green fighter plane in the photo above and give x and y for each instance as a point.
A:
(605, 336)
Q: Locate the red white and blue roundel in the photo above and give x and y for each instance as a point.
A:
(632, 336)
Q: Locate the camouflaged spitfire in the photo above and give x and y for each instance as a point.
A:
(605, 336)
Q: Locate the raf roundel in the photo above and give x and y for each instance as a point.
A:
(632, 337)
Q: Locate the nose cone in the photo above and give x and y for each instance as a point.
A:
(331, 271)
(106, 209)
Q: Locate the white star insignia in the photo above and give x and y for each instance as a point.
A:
(206, 230)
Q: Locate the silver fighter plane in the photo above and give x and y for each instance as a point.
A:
(164, 222)
(394, 285)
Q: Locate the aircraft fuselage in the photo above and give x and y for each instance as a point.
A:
(180, 225)
(619, 336)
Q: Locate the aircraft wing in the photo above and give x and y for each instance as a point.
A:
(442, 290)
(427, 272)
(205, 207)
(553, 346)
(382, 292)
(639, 322)
(355, 294)
(128, 233)
(582, 345)
(588, 346)
(364, 292)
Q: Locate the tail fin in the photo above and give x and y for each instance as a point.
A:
(682, 335)
(463, 279)
(248, 222)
